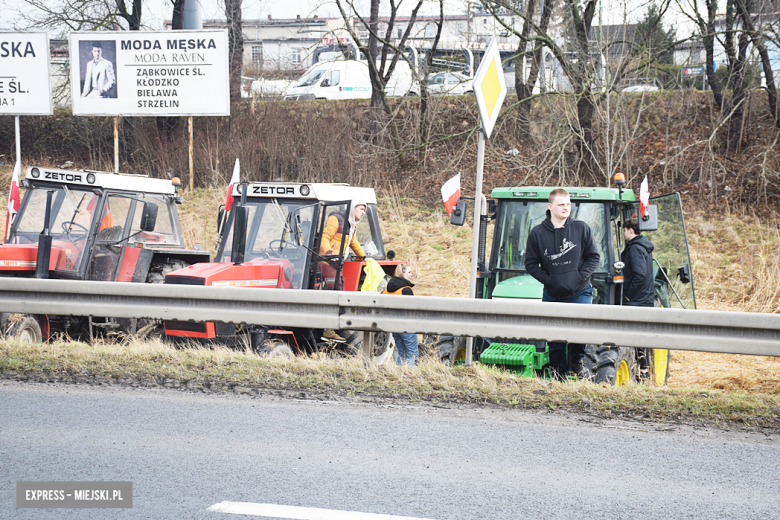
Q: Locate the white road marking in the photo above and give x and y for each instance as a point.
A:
(298, 513)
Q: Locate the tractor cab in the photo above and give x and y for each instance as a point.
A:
(286, 236)
(86, 225)
(98, 224)
(291, 230)
(515, 211)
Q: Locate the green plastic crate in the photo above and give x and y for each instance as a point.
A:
(519, 358)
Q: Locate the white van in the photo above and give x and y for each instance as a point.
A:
(347, 79)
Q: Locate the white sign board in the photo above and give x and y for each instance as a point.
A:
(25, 88)
(490, 87)
(139, 73)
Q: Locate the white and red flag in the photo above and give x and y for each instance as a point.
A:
(13, 200)
(450, 192)
(644, 198)
(235, 179)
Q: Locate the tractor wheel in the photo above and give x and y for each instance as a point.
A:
(384, 346)
(451, 349)
(149, 329)
(601, 364)
(274, 348)
(659, 365)
(659, 358)
(24, 328)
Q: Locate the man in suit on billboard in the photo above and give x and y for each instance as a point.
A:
(100, 78)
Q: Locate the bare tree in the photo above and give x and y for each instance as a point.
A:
(235, 46)
(758, 39)
(381, 65)
(527, 58)
(424, 94)
(81, 15)
(378, 47)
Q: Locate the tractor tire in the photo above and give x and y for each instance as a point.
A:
(451, 349)
(150, 329)
(602, 364)
(274, 348)
(384, 346)
(24, 328)
(660, 358)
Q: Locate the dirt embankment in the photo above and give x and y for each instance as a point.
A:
(673, 137)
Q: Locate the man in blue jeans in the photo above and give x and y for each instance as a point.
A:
(562, 255)
(405, 343)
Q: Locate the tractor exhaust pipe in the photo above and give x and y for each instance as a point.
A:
(44, 242)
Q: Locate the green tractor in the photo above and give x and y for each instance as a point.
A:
(515, 211)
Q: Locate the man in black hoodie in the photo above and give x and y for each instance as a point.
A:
(561, 253)
(638, 290)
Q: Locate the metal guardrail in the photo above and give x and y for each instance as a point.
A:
(705, 331)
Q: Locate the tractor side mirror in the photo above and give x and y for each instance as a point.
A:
(458, 217)
(650, 221)
(148, 216)
(684, 272)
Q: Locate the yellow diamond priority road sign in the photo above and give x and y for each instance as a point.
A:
(490, 87)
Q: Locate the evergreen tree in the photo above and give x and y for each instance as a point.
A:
(653, 42)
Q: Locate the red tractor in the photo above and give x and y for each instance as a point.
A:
(272, 237)
(85, 225)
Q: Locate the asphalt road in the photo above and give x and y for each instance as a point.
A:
(187, 452)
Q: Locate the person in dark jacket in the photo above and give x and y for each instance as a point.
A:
(406, 343)
(562, 255)
(638, 290)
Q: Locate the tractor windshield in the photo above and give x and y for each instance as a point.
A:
(269, 234)
(518, 217)
(674, 285)
(72, 212)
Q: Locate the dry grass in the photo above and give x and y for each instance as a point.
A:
(222, 370)
(736, 267)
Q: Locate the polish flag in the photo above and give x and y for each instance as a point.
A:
(235, 179)
(644, 198)
(450, 192)
(13, 200)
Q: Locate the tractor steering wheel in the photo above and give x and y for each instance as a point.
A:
(290, 251)
(66, 225)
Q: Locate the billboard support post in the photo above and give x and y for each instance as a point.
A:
(116, 144)
(192, 176)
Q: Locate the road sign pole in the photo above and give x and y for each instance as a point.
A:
(475, 232)
(489, 93)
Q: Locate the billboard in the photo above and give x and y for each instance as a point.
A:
(135, 73)
(25, 88)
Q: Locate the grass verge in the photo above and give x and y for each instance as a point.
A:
(221, 370)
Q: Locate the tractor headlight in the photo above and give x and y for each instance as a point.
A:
(35, 172)
(305, 191)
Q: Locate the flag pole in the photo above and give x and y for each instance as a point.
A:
(17, 168)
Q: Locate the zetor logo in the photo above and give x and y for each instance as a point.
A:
(60, 176)
(273, 190)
